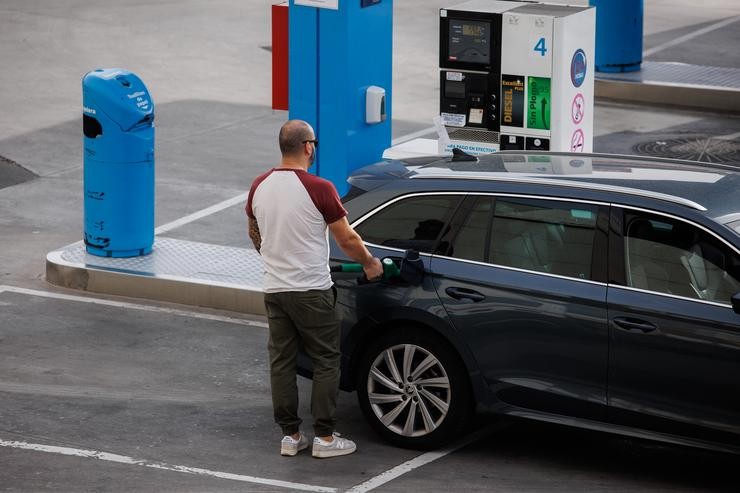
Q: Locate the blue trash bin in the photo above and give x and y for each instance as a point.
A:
(118, 128)
(618, 35)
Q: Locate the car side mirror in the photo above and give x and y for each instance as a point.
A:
(736, 303)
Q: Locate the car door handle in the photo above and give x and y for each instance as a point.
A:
(635, 325)
(464, 293)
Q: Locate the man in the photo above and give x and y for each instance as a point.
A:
(289, 212)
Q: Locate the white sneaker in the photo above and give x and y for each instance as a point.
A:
(338, 446)
(290, 446)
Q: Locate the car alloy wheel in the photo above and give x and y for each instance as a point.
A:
(409, 390)
(413, 389)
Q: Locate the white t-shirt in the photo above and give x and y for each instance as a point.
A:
(293, 208)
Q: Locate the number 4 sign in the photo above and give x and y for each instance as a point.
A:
(541, 47)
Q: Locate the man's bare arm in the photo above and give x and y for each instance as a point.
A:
(254, 234)
(351, 244)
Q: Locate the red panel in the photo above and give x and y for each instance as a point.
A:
(280, 56)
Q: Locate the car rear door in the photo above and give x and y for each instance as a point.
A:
(675, 339)
(523, 280)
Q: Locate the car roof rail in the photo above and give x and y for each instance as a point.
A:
(564, 183)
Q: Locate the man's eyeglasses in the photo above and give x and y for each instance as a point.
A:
(314, 142)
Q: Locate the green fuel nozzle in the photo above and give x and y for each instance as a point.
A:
(410, 270)
(390, 269)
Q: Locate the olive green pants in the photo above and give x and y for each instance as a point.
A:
(308, 318)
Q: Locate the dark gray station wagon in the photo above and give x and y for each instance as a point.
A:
(589, 290)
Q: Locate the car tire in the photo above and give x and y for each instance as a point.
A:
(413, 389)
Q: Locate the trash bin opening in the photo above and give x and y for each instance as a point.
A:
(124, 81)
(91, 127)
(144, 122)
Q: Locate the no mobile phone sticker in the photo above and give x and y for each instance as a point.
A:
(578, 108)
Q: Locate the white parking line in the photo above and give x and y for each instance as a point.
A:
(692, 35)
(242, 197)
(133, 306)
(420, 461)
(122, 459)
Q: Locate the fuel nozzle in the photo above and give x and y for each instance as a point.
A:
(411, 269)
(390, 269)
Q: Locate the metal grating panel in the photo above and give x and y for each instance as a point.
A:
(472, 135)
(695, 148)
(186, 260)
(679, 74)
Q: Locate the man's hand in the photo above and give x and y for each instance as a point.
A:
(373, 270)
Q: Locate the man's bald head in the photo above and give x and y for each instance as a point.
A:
(292, 135)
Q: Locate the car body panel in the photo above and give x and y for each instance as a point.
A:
(388, 306)
(687, 370)
(541, 341)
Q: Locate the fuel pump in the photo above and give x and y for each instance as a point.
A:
(516, 75)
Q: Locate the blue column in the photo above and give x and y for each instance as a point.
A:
(335, 55)
(618, 35)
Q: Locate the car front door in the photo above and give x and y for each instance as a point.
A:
(674, 363)
(523, 280)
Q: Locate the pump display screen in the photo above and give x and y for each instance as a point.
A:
(469, 41)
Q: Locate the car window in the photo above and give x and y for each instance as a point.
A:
(414, 222)
(540, 235)
(673, 257)
(544, 236)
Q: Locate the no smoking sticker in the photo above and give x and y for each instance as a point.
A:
(577, 140)
(578, 108)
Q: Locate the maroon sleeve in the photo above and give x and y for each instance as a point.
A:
(252, 189)
(324, 196)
